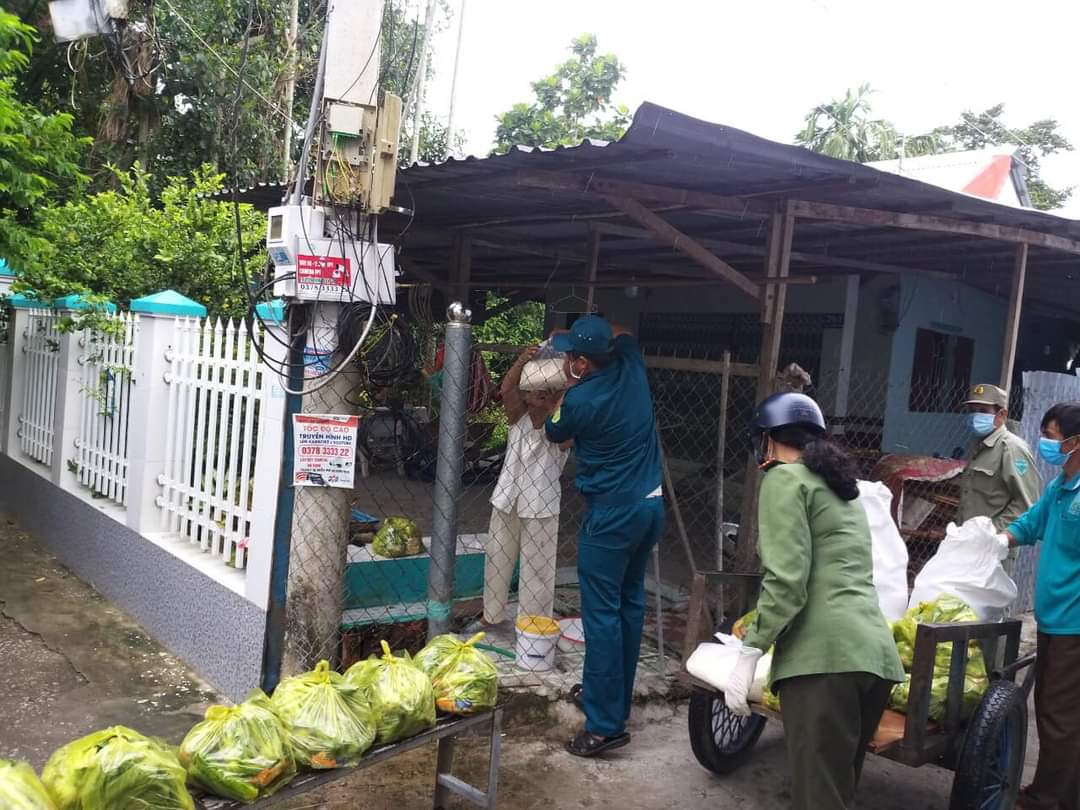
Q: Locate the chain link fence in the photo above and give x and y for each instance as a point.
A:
(515, 513)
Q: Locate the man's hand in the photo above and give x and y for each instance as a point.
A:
(526, 355)
(742, 678)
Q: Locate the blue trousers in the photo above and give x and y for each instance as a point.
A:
(613, 552)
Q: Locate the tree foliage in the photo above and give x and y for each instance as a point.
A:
(845, 128)
(39, 155)
(570, 105)
(121, 244)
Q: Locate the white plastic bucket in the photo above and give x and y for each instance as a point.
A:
(572, 635)
(536, 640)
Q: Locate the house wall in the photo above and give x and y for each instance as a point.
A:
(947, 306)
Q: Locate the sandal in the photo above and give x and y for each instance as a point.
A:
(577, 695)
(589, 745)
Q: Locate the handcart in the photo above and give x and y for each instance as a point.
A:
(985, 751)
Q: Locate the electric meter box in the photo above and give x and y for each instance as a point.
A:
(313, 266)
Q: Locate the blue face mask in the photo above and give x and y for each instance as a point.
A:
(1050, 452)
(981, 424)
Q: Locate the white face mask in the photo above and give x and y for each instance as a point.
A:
(573, 374)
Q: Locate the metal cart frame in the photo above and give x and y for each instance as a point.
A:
(445, 733)
(986, 750)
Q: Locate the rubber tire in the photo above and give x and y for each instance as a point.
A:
(703, 741)
(1002, 706)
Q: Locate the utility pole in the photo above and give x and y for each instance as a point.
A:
(321, 267)
(453, 82)
(290, 87)
(421, 80)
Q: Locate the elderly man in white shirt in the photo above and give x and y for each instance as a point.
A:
(525, 503)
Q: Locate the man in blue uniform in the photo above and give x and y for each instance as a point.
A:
(608, 412)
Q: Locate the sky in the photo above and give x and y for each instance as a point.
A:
(760, 65)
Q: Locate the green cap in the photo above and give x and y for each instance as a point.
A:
(984, 394)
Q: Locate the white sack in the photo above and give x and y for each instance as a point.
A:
(967, 566)
(889, 549)
(543, 375)
(714, 663)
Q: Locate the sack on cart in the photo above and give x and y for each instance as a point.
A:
(714, 663)
(889, 550)
(968, 567)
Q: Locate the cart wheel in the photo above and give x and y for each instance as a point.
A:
(991, 762)
(721, 740)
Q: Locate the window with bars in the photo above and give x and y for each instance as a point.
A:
(940, 372)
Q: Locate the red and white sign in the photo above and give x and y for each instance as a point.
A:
(328, 274)
(325, 450)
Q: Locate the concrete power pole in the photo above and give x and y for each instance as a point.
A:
(315, 594)
(421, 80)
(453, 82)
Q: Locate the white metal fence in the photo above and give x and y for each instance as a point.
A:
(40, 347)
(215, 401)
(107, 362)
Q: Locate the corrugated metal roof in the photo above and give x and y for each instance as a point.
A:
(524, 233)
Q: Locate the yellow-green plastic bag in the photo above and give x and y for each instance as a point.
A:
(20, 788)
(116, 768)
(464, 679)
(400, 693)
(329, 722)
(239, 752)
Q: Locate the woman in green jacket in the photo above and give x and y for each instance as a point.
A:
(834, 663)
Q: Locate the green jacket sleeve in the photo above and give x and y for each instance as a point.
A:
(786, 554)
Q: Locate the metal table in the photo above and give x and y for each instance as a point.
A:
(445, 733)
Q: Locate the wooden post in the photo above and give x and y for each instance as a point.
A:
(1012, 324)
(777, 265)
(847, 350)
(594, 261)
(461, 267)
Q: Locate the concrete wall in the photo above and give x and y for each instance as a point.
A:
(216, 631)
(960, 309)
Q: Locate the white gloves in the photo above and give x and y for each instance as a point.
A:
(1003, 545)
(742, 678)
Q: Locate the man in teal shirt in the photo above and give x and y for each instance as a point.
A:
(608, 412)
(1055, 520)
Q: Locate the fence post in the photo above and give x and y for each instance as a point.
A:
(147, 434)
(69, 394)
(268, 457)
(21, 307)
(449, 468)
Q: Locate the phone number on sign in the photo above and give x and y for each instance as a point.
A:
(326, 451)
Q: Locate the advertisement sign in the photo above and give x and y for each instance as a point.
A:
(327, 274)
(325, 446)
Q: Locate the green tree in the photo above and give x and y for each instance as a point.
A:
(844, 128)
(1035, 141)
(570, 105)
(39, 155)
(121, 244)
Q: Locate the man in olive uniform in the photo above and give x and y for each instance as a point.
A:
(1000, 481)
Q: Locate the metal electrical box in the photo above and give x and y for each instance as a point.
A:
(359, 154)
(314, 261)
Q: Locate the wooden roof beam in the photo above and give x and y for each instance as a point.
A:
(668, 233)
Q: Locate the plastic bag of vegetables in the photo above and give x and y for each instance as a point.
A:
(742, 625)
(116, 768)
(239, 752)
(465, 680)
(397, 537)
(20, 788)
(328, 721)
(939, 692)
(400, 694)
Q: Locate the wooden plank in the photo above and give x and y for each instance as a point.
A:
(926, 222)
(847, 349)
(462, 269)
(594, 261)
(1012, 324)
(742, 249)
(681, 242)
